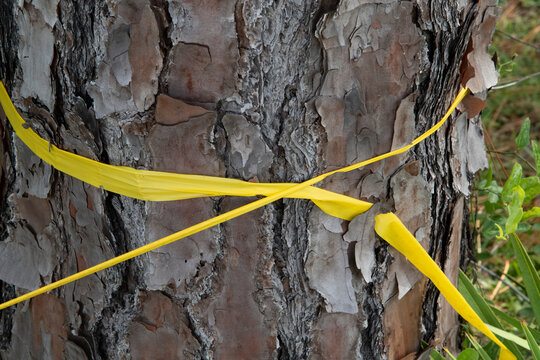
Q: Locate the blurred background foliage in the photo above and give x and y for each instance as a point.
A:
(516, 50)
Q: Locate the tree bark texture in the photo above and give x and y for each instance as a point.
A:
(267, 91)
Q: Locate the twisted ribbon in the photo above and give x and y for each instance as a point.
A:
(161, 186)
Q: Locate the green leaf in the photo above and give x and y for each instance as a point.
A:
(436, 356)
(526, 312)
(468, 354)
(523, 227)
(534, 212)
(481, 307)
(503, 334)
(514, 322)
(513, 180)
(425, 355)
(523, 138)
(493, 350)
(486, 255)
(536, 153)
(515, 210)
(535, 350)
(493, 187)
(505, 317)
(483, 354)
(485, 180)
(529, 274)
(493, 198)
(492, 208)
(452, 357)
(489, 229)
(489, 176)
(531, 186)
(500, 236)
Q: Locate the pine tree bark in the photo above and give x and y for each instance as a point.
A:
(256, 90)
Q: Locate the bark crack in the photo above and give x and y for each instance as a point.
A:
(372, 335)
(449, 45)
(7, 292)
(8, 44)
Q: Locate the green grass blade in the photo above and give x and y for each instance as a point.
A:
(529, 274)
(483, 354)
(514, 322)
(483, 309)
(467, 289)
(503, 334)
(452, 357)
(436, 356)
(535, 350)
(505, 317)
(492, 349)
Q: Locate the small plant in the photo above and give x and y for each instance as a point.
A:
(505, 204)
(508, 209)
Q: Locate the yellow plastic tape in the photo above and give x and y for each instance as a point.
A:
(391, 229)
(154, 185)
(163, 186)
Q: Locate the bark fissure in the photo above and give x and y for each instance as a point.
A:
(195, 329)
(83, 337)
(7, 292)
(372, 339)
(119, 311)
(8, 47)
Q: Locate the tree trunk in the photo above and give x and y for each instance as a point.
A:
(267, 91)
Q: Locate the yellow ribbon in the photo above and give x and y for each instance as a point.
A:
(391, 229)
(160, 186)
